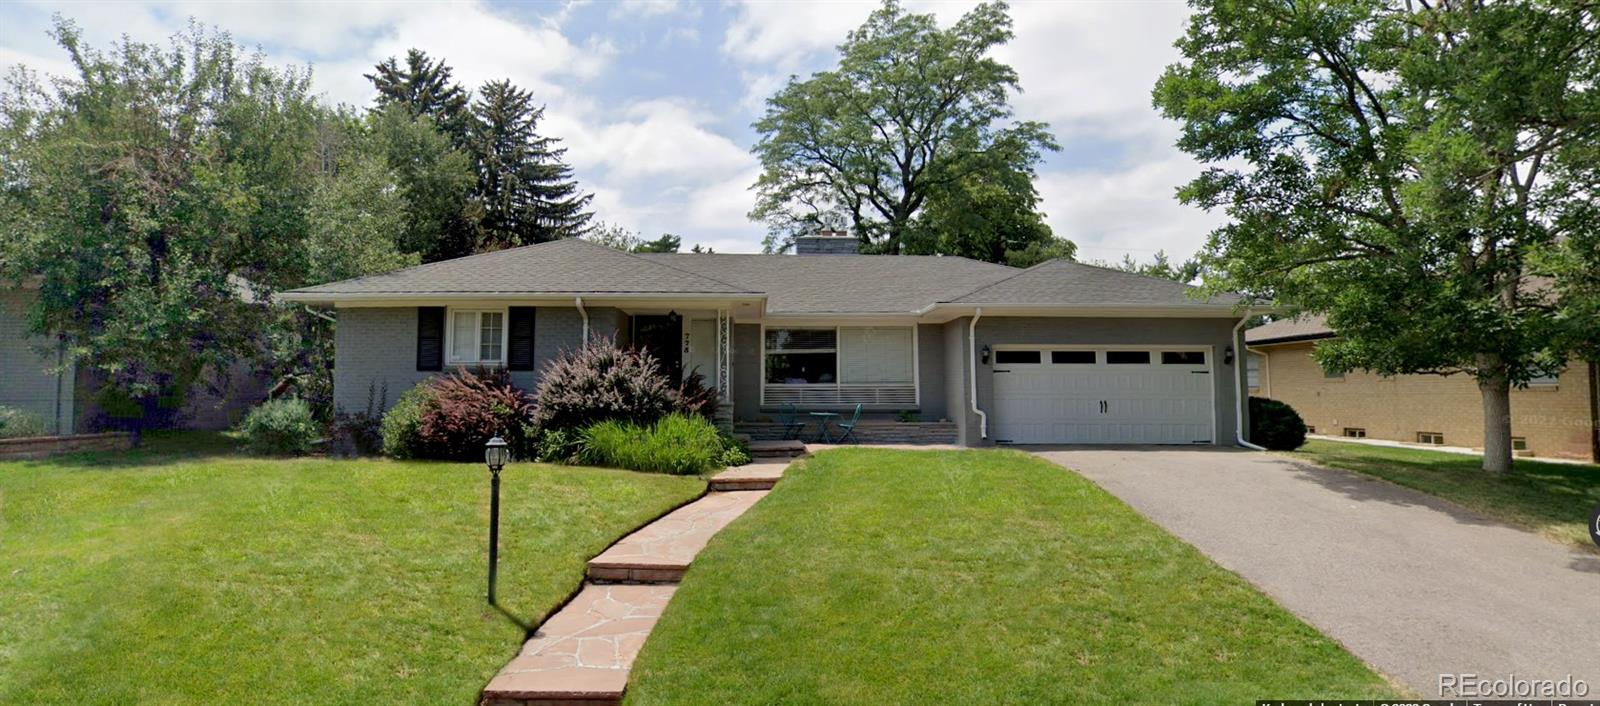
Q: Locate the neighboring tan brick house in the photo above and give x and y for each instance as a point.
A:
(1552, 417)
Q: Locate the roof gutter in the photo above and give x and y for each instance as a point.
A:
(1239, 393)
(336, 297)
(972, 372)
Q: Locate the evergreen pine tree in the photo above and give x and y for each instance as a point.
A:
(527, 193)
(424, 87)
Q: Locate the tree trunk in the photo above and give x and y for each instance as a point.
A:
(1496, 390)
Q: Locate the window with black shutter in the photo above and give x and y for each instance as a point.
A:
(430, 338)
(519, 351)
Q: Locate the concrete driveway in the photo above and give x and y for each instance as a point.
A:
(1414, 586)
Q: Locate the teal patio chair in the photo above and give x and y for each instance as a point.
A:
(789, 417)
(849, 435)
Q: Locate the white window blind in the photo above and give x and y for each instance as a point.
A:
(464, 335)
(875, 355)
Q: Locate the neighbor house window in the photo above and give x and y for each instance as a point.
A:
(840, 366)
(1430, 437)
(1355, 432)
(1519, 443)
(1252, 371)
(1544, 381)
(477, 337)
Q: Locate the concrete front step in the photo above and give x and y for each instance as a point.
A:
(583, 653)
(777, 448)
(755, 476)
(661, 551)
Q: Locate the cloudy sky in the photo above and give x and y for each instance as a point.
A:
(654, 98)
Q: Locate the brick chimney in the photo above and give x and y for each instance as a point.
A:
(826, 242)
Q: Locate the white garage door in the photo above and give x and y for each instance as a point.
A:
(1106, 395)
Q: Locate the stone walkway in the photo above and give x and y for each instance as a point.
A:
(660, 552)
(761, 475)
(583, 653)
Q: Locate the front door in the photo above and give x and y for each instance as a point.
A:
(662, 337)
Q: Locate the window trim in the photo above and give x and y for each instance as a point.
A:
(450, 358)
(838, 362)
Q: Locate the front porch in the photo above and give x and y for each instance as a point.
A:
(869, 431)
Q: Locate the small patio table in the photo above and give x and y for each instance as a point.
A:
(823, 419)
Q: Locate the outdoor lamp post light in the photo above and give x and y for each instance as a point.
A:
(495, 454)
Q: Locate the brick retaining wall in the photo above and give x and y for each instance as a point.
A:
(42, 446)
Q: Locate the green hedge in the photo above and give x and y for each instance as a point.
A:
(1275, 425)
(678, 444)
(281, 426)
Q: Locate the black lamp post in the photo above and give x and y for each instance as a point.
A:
(495, 454)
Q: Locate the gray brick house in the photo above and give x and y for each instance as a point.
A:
(977, 353)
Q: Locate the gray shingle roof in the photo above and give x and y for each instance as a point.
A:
(1077, 284)
(792, 284)
(570, 266)
(860, 284)
(1303, 328)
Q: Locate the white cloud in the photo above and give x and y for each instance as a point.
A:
(655, 138)
(1088, 68)
(1130, 211)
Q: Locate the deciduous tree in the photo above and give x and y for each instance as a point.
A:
(914, 115)
(1423, 172)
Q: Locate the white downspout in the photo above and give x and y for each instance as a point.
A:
(585, 314)
(972, 366)
(1239, 393)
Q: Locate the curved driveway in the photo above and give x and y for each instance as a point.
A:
(1415, 586)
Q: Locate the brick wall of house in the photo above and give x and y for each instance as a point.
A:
(1556, 420)
(376, 349)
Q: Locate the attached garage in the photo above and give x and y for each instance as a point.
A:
(1104, 395)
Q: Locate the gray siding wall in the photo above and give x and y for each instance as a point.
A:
(377, 349)
(1216, 333)
(26, 382)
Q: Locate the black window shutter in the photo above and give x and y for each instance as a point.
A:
(519, 355)
(430, 338)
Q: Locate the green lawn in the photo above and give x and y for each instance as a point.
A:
(184, 574)
(1552, 499)
(874, 576)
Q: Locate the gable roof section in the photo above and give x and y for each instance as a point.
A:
(571, 266)
(1309, 327)
(840, 284)
(1066, 283)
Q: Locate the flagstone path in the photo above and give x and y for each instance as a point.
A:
(581, 656)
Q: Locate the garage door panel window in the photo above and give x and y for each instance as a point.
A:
(1183, 357)
(1072, 357)
(1127, 357)
(840, 366)
(1017, 357)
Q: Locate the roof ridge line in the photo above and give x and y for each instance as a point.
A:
(428, 265)
(997, 282)
(640, 257)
